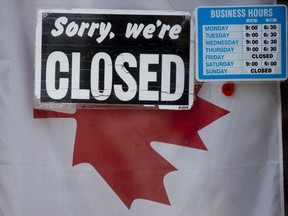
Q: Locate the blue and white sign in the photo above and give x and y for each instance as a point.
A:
(241, 43)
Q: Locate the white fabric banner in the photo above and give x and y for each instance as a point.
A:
(223, 157)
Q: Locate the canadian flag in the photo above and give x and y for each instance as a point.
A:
(222, 157)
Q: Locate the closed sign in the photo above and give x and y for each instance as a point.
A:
(93, 58)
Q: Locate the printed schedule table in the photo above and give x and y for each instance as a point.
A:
(241, 43)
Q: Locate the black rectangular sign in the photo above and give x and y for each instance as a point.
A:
(95, 57)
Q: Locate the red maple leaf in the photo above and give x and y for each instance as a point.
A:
(117, 144)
